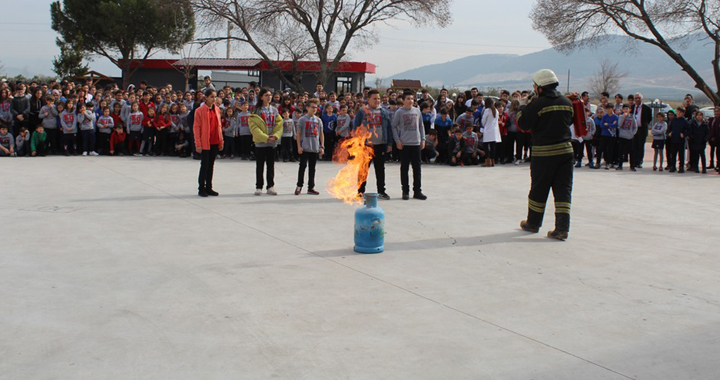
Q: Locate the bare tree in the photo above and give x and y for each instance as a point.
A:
(607, 78)
(328, 26)
(190, 56)
(2, 68)
(569, 24)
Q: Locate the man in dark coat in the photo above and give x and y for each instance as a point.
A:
(643, 117)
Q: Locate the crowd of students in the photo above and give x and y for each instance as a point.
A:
(463, 130)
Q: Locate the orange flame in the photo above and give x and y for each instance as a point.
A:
(356, 155)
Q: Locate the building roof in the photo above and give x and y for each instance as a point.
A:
(406, 83)
(253, 64)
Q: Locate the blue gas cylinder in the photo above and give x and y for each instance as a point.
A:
(370, 226)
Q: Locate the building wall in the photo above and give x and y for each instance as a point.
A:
(159, 78)
(272, 80)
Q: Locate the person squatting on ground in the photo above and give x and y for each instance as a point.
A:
(409, 135)
(548, 117)
(207, 130)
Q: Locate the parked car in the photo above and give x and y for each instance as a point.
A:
(664, 107)
(708, 111)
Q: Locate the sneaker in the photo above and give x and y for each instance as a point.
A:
(212, 192)
(620, 168)
(313, 192)
(559, 235)
(94, 154)
(517, 162)
(258, 191)
(271, 191)
(405, 196)
(85, 153)
(578, 165)
(384, 196)
(633, 169)
(137, 155)
(298, 190)
(420, 196)
(525, 226)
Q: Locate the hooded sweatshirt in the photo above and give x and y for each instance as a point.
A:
(627, 127)
(49, 116)
(267, 123)
(408, 127)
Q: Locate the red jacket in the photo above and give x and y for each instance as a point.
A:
(117, 138)
(162, 122)
(149, 122)
(117, 120)
(201, 126)
(144, 108)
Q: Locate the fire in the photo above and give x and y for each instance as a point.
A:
(356, 155)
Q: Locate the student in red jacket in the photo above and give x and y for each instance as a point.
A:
(117, 141)
(207, 130)
(149, 132)
(163, 121)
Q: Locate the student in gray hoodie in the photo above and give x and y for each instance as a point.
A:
(409, 134)
(376, 120)
(49, 116)
(311, 145)
(627, 128)
(68, 121)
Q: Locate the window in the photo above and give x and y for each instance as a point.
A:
(344, 85)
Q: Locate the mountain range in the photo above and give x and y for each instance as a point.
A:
(649, 70)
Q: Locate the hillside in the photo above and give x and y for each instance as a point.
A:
(649, 69)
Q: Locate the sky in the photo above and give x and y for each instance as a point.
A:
(478, 27)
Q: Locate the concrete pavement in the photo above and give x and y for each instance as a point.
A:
(113, 268)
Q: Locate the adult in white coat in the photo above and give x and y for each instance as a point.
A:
(490, 132)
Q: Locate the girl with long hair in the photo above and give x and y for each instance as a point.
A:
(491, 132)
(266, 126)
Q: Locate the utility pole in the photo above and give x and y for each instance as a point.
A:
(568, 84)
(228, 40)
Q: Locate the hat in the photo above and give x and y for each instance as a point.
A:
(545, 77)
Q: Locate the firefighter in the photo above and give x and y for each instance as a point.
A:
(549, 118)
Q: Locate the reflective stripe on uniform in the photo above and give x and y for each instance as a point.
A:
(555, 109)
(552, 150)
(536, 206)
(562, 207)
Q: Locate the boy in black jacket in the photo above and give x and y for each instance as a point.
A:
(697, 139)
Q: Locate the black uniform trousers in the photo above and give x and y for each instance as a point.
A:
(207, 164)
(551, 168)
(378, 163)
(307, 160)
(410, 155)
